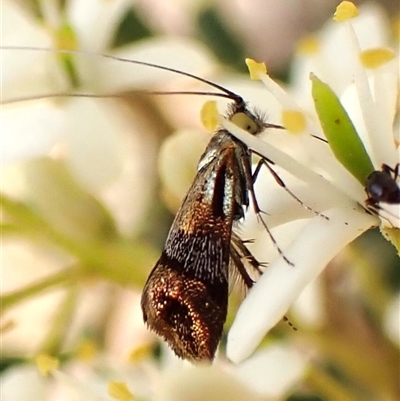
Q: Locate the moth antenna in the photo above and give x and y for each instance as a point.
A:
(109, 95)
(226, 92)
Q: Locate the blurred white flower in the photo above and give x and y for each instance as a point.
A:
(268, 375)
(93, 136)
(331, 190)
(34, 385)
(273, 371)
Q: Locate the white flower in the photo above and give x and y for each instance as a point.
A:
(268, 375)
(308, 241)
(331, 190)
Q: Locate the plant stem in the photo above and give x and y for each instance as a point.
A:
(63, 277)
(329, 388)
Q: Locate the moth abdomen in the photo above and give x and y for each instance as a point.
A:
(188, 312)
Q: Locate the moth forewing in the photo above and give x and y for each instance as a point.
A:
(185, 297)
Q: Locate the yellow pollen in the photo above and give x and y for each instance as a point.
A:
(255, 69)
(374, 58)
(308, 45)
(65, 38)
(209, 115)
(87, 350)
(294, 121)
(345, 11)
(46, 364)
(119, 391)
(139, 354)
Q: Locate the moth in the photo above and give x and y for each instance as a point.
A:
(185, 298)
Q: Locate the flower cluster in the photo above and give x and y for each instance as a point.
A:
(79, 173)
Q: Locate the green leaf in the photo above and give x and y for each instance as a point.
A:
(131, 28)
(339, 130)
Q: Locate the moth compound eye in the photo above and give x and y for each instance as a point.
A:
(245, 122)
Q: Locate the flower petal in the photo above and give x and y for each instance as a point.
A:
(272, 371)
(281, 283)
(181, 54)
(95, 21)
(30, 130)
(288, 163)
(202, 384)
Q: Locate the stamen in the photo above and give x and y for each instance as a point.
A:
(308, 45)
(294, 121)
(87, 350)
(255, 69)
(345, 11)
(209, 115)
(66, 39)
(120, 391)
(379, 149)
(374, 58)
(46, 364)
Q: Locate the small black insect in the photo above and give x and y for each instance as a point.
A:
(381, 186)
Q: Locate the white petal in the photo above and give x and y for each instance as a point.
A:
(95, 21)
(333, 58)
(389, 214)
(23, 71)
(35, 386)
(93, 144)
(22, 265)
(272, 371)
(279, 206)
(202, 384)
(381, 148)
(308, 307)
(177, 163)
(29, 130)
(372, 30)
(281, 283)
(14, 16)
(181, 54)
(111, 151)
(72, 388)
(288, 163)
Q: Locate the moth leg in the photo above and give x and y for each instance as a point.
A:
(283, 185)
(258, 211)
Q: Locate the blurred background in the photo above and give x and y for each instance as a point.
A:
(86, 213)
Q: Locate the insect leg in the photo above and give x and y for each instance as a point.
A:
(257, 210)
(283, 185)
